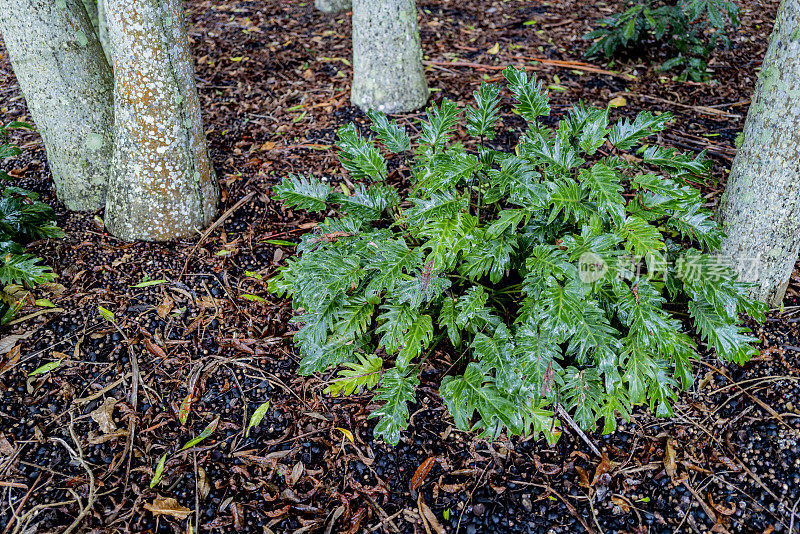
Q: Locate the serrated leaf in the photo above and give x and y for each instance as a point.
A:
(417, 339)
(640, 237)
(672, 160)
(303, 193)
(605, 188)
(482, 118)
(356, 377)
(532, 100)
(358, 155)
(24, 269)
(440, 205)
(437, 129)
(507, 219)
(626, 134)
(393, 137)
(397, 389)
(474, 391)
(447, 318)
(391, 260)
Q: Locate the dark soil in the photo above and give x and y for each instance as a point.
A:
(274, 79)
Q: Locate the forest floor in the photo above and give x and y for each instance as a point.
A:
(82, 441)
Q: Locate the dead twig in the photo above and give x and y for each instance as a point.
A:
(707, 110)
(562, 413)
(77, 455)
(575, 65)
(211, 228)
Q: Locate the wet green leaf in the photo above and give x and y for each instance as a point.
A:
(257, 417)
(207, 431)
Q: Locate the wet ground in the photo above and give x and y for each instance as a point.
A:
(83, 441)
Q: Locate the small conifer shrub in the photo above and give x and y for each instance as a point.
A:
(691, 30)
(560, 273)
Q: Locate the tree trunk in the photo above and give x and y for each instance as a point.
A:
(68, 87)
(162, 184)
(91, 10)
(102, 30)
(760, 209)
(333, 6)
(387, 57)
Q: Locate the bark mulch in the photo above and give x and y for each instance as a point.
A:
(210, 345)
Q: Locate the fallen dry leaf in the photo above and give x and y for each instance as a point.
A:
(428, 517)
(669, 461)
(421, 473)
(296, 473)
(6, 449)
(203, 484)
(605, 466)
(618, 102)
(165, 307)
(168, 506)
(622, 503)
(185, 409)
(104, 416)
(13, 358)
(10, 342)
(154, 349)
(583, 476)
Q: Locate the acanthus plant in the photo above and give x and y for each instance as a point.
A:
(23, 218)
(545, 273)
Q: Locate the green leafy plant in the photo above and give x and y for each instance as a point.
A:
(23, 218)
(569, 272)
(691, 28)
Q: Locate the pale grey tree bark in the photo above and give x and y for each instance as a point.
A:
(387, 57)
(91, 10)
(333, 6)
(67, 85)
(102, 30)
(162, 183)
(760, 209)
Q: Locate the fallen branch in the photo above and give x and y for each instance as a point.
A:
(77, 456)
(562, 413)
(211, 228)
(700, 109)
(575, 65)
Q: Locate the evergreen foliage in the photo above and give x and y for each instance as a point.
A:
(23, 218)
(545, 272)
(692, 28)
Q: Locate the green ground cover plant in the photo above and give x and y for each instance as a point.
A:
(23, 218)
(577, 270)
(692, 29)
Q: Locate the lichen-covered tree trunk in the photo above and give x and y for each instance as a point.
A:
(162, 183)
(91, 10)
(760, 210)
(333, 6)
(102, 30)
(387, 57)
(67, 85)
